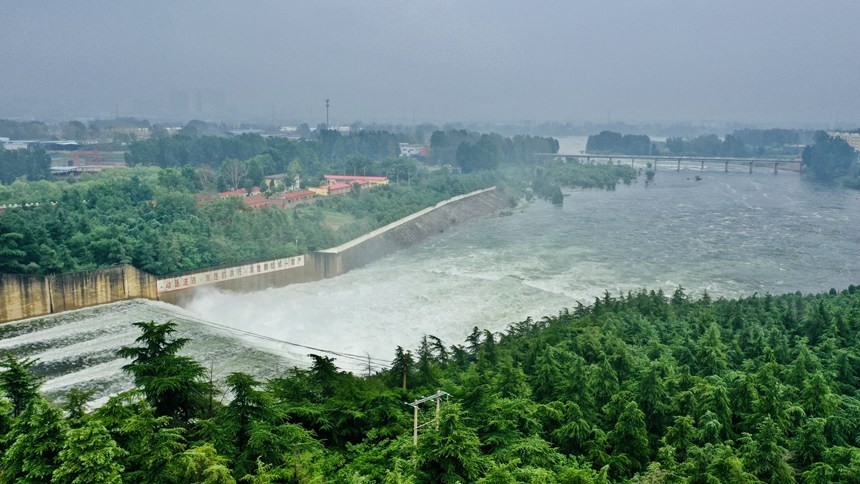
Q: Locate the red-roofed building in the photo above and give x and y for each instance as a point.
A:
(334, 189)
(288, 199)
(255, 201)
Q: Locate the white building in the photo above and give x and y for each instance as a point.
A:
(409, 150)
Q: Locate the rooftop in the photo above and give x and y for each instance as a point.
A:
(357, 178)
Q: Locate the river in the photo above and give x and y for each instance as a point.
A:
(730, 234)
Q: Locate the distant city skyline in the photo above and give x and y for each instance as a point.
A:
(769, 63)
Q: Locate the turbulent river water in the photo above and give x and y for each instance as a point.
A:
(730, 234)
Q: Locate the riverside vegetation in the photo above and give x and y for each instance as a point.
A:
(642, 387)
(148, 214)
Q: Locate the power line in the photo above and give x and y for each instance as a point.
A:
(363, 359)
(416, 406)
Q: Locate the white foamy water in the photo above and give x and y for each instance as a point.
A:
(78, 348)
(729, 234)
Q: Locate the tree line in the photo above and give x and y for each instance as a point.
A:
(640, 387)
(831, 159)
(473, 151)
(150, 218)
(30, 130)
(33, 164)
(610, 142)
(779, 143)
(548, 179)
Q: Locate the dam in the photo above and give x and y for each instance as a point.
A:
(24, 296)
(72, 324)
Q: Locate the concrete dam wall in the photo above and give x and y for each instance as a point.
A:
(414, 228)
(24, 296)
(333, 262)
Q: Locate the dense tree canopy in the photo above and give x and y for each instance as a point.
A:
(29, 130)
(33, 164)
(641, 387)
(829, 158)
(614, 143)
(149, 217)
(473, 151)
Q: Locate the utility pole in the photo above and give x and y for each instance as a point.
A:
(415, 406)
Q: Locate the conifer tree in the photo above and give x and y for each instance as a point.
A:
(18, 383)
(401, 366)
(630, 437)
(35, 442)
(89, 455)
(453, 452)
(172, 383)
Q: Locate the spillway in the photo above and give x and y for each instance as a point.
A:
(78, 348)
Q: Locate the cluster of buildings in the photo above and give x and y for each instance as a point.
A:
(335, 185)
(332, 186)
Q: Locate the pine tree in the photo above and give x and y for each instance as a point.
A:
(630, 437)
(172, 384)
(249, 406)
(18, 382)
(324, 375)
(35, 442)
(426, 365)
(89, 455)
(765, 457)
(547, 374)
(809, 444)
(151, 443)
(401, 366)
(711, 352)
(203, 464)
(453, 452)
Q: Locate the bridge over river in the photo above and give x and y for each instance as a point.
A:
(676, 162)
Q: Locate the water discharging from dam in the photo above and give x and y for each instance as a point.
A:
(731, 234)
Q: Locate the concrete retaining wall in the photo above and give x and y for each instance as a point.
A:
(77, 290)
(358, 252)
(24, 296)
(416, 227)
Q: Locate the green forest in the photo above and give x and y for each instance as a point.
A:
(642, 387)
(832, 159)
(149, 217)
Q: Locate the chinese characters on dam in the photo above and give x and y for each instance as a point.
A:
(196, 279)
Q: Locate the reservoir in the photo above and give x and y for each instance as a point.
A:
(730, 234)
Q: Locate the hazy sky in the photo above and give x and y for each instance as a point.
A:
(756, 61)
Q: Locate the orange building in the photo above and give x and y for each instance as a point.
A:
(334, 189)
(371, 181)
